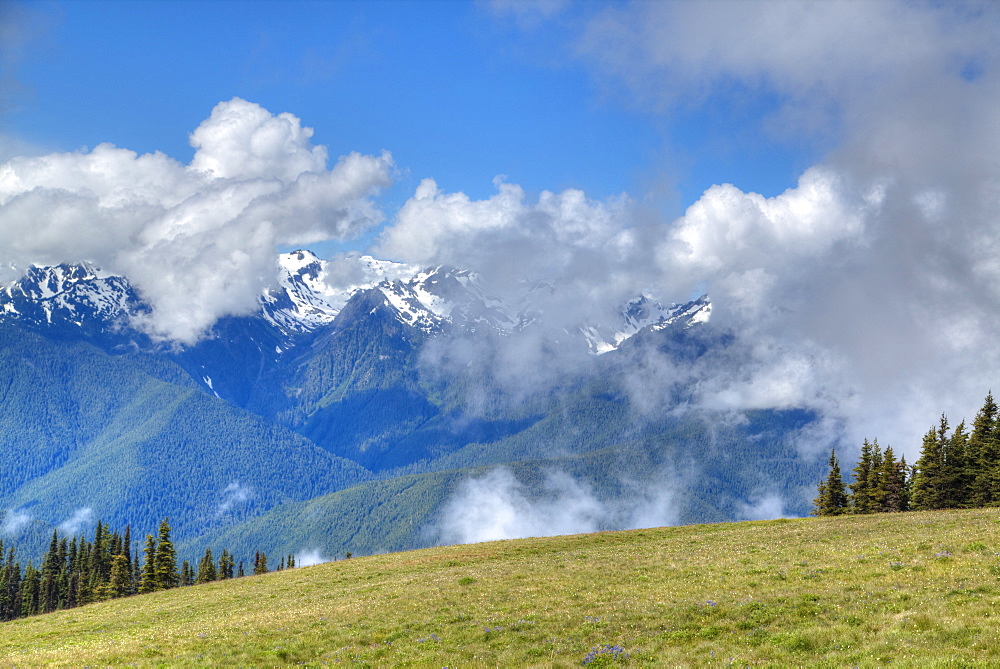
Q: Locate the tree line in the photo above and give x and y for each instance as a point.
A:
(77, 571)
(956, 469)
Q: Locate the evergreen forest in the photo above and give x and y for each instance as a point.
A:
(77, 570)
(957, 469)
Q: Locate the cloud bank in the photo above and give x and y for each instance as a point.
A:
(869, 291)
(497, 506)
(199, 240)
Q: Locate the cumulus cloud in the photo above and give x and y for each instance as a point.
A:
(198, 241)
(516, 243)
(863, 291)
(497, 506)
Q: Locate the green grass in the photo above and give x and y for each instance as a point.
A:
(917, 589)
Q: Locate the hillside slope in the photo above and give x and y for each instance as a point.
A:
(913, 589)
(129, 439)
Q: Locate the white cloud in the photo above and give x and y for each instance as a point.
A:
(245, 141)
(308, 558)
(74, 524)
(233, 494)
(14, 520)
(766, 507)
(497, 506)
(198, 241)
(874, 283)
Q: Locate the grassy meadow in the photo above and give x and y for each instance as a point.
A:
(914, 589)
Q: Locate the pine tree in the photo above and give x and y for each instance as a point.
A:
(48, 595)
(861, 489)
(225, 570)
(166, 559)
(10, 607)
(877, 491)
(127, 547)
(983, 455)
(955, 472)
(121, 576)
(927, 481)
(893, 494)
(206, 568)
(29, 591)
(148, 581)
(832, 500)
(260, 563)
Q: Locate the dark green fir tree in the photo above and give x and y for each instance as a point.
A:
(832, 499)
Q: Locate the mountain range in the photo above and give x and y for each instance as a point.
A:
(368, 406)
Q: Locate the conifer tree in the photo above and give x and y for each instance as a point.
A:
(861, 489)
(166, 559)
(206, 568)
(225, 570)
(48, 595)
(832, 500)
(127, 547)
(892, 480)
(877, 490)
(983, 455)
(927, 490)
(121, 576)
(260, 563)
(10, 606)
(29, 591)
(955, 472)
(148, 581)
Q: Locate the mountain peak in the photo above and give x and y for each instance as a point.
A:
(311, 293)
(644, 312)
(75, 293)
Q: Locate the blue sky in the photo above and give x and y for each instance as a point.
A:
(459, 92)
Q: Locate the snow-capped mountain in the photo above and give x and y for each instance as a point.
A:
(437, 296)
(645, 312)
(310, 293)
(78, 294)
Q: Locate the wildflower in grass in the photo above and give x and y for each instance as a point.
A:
(605, 653)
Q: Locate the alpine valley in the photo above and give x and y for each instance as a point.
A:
(386, 408)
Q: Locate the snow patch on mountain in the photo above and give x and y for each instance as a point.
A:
(310, 292)
(75, 294)
(436, 296)
(641, 313)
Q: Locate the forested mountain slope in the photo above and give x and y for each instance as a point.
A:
(288, 429)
